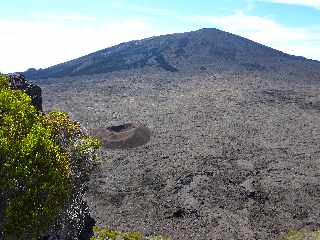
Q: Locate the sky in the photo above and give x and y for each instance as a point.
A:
(42, 33)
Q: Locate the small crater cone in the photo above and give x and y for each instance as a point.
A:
(128, 135)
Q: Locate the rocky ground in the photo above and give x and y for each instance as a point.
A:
(232, 156)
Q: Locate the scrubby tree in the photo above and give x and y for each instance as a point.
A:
(41, 158)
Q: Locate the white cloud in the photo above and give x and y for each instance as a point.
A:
(148, 9)
(26, 44)
(293, 40)
(308, 3)
(140, 8)
(63, 17)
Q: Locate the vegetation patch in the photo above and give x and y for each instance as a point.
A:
(302, 234)
(103, 233)
(35, 164)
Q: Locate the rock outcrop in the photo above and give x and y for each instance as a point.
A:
(18, 81)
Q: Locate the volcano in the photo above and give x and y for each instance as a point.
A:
(234, 151)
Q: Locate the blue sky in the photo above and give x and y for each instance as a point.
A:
(41, 33)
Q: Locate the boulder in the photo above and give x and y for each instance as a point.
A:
(18, 81)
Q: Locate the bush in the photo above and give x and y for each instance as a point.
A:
(105, 233)
(36, 168)
(302, 234)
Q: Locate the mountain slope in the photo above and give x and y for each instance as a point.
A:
(206, 48)
(234, 152)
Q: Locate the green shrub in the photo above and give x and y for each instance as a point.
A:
(4, 81)
(302, 234)
(103, 233)
(35, 168)
(88, 142)
(159, 238)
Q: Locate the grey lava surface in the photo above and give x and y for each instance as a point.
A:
(234, 151)
(232, 155)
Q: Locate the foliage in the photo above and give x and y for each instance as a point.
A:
(302, 234)
(89, 142)
(35, 168)
(62, 124)
(159, 238)
(4, 81)
(103, 233)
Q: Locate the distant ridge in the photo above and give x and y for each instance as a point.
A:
(207, 48)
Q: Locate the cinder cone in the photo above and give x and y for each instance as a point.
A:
(129, 135)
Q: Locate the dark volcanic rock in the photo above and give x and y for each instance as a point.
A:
(74, 223)
(18, 81)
